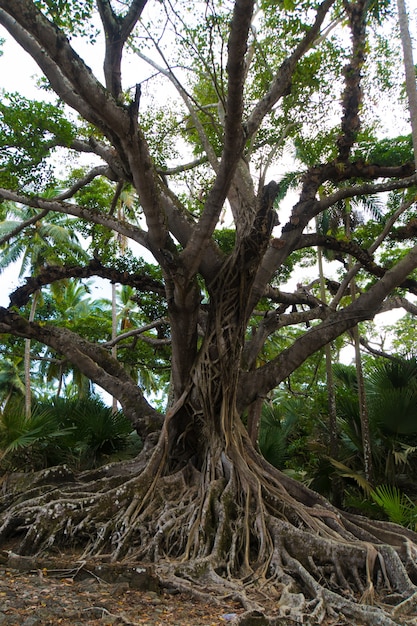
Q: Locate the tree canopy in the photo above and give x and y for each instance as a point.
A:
(200, 155)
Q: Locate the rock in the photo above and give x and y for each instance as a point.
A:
(119, 589)
(32, 621)
(253, 618)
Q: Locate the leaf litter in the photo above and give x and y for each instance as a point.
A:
(37, 599)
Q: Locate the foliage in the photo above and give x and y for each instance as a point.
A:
(42, 243)
(294, 432)
(11, 383)
(78, 432)
(71, 16)
(387, 151)
(392, 390)
(396, 505)
(278, 422)
(30, 130)
(31, 443)
(99, 431)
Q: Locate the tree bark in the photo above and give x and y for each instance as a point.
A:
(410, 72)
(27, 360)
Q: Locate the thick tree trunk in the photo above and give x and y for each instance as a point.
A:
(204, 506)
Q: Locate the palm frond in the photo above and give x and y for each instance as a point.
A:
(346, 472)
(398, 508)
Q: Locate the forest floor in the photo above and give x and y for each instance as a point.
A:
(49, 598)
(41, 598)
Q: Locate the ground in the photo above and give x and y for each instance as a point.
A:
(61, 533)
(46, 598)
(106, 594)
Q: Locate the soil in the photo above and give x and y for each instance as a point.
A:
(45, 598)
(51, 597)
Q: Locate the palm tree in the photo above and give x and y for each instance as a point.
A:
(391, 392)
(72, 307)
(11, 383)
(43, 243)
(410, 74)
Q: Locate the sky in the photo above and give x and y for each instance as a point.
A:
(19, 73)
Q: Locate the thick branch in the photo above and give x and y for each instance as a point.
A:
(309, 206)
(352, 97)
(69, 76)
(234, 135)
(367, 189)
(93, 361)
(119, 226)
(117, 30)
(49, 275)
(365, 307)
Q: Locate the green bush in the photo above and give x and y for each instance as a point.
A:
(82, 432)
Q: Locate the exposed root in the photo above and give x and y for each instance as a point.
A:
(232, 528)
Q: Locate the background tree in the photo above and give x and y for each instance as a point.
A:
(42, 243)
(250, 84)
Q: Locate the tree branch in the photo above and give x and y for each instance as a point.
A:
(119, 226)
(52, 274)
(364, 307)
(94, 362)
(352, 96)
(117, 30)
(234, 136)
(22, 226)
(365, 189)
(186, 98)
(139, 331)
(282, 80)
(100, 170)
(69, 76)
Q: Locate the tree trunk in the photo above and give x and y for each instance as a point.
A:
(336, 483)
(114, 333)
(410, 72)
(27, 360)
(363, 408)
(331, 396)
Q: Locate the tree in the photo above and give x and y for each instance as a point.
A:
(410, 72)
(70, 305)
(204, 504)
(41, 243)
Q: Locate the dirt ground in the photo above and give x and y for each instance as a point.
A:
(44, 598)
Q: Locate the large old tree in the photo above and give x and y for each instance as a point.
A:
(219, 93)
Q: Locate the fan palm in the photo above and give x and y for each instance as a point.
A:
(392, 391)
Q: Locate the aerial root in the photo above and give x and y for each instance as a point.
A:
(220, 537)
